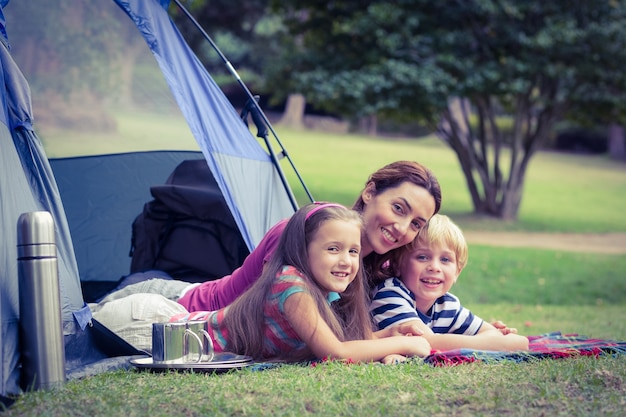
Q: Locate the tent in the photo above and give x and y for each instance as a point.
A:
(93, 199)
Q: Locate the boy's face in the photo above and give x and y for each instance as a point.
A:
(429, 272)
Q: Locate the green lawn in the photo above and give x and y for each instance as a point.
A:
(537, 291)
(562, 193)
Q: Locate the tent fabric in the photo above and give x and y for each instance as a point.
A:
(100, 212)
(243, 170)
(26, 185)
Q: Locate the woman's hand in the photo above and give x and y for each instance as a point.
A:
(403, 329)
(408, 329)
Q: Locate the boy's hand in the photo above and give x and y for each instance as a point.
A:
(503, 328)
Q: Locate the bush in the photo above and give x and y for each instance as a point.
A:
(582, 140)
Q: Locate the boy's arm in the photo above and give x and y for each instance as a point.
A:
(391, 305)
(504, 329)
(487, 338)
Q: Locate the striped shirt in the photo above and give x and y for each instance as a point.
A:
(393, 303)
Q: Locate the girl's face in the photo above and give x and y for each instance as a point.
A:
(333, 254)
(429, 272)
(394, 217)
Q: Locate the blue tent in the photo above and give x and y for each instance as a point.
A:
(92, 236)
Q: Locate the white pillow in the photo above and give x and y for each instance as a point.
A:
(131, 317)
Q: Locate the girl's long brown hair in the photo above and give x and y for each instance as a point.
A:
(348, 318)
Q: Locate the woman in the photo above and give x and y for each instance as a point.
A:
(395, 204)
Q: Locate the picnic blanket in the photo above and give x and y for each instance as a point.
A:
(547, 346)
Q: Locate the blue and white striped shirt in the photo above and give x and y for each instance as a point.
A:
(393, 303)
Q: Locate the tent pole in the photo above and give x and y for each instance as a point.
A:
(256, 111)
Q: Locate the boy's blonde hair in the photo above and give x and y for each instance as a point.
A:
(443, 231)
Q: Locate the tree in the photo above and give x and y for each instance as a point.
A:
(294, 111)
(243, 31)
(76, 55)
(491, 76)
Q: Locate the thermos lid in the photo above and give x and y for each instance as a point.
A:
(35, 235)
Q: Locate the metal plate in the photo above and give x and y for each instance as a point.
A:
(222, 362)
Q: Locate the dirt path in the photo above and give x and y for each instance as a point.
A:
(610, 243)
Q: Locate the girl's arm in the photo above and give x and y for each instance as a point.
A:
(487, 338)
(304, 317)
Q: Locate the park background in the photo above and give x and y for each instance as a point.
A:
(533, 289)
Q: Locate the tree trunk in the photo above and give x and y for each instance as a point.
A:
(478, 151)
(294, 111)
(368, 125)
(372, 125)
(617, 145)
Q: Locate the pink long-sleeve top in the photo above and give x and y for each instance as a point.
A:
(213, 295)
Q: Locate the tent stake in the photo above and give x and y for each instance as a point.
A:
(255, 110)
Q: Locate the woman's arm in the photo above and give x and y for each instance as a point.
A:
(403, 329)
(219, 293)
(487, 338)
(304, 317)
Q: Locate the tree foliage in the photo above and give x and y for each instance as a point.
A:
(59, 49)
(461, 66)
(243, 31)
(76, 55)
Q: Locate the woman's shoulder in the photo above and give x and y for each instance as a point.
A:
(388, 283)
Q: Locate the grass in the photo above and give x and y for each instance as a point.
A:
(562, 192)
(537, 291)
(531, 276)
(568, 387)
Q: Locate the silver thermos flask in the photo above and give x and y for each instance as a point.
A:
(41, 327)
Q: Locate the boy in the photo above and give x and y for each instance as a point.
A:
(425, 272)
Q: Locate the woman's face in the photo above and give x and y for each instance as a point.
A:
(394, 217)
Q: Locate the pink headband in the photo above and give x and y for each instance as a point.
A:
(318, 207)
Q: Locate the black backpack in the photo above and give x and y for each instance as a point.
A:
(187, 230)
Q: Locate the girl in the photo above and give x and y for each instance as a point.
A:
(287, 313)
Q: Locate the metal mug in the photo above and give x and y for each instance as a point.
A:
(207, 351)
(175, 343)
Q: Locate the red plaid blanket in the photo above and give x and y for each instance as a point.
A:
(548, 346)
